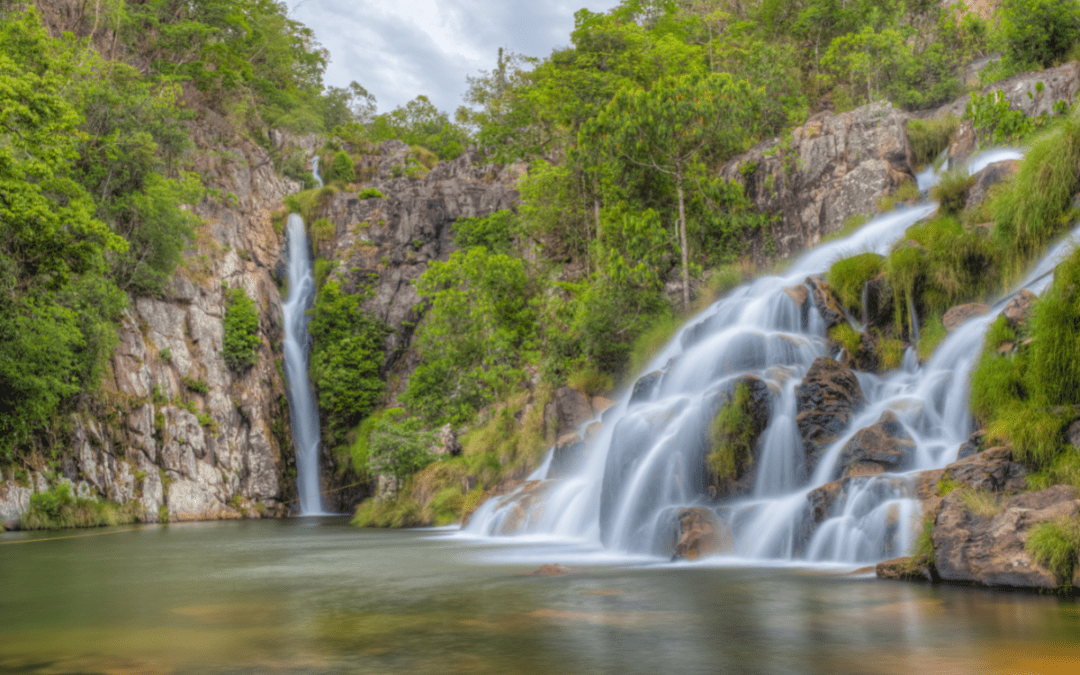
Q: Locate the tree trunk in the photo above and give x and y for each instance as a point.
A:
(682, 235)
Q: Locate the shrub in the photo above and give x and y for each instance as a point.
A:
(241, 340)
(590, 381)
(198, 386)
(401, 512)
(930, 137)
(398, 446)
(58, 509)
(848, 277)
(494, 232)
(341, 168)
(952, 190)
(370, 193)
(1039, 33)
(1056, 546)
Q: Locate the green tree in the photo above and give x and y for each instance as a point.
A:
(666, 129)
(398, 446)
(241, 341)
(1040, 33)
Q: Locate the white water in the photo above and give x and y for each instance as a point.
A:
(647, 462)
(315, 170)
(302, 410)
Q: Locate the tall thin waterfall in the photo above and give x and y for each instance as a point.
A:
(648, 460)
(302, 409)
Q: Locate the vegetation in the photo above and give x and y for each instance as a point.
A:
(929, 138)
(58, 509)
(849, 276)
(1056, 545)
(241, 324)
(732, 436)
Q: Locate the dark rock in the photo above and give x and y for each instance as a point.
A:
(956, 316)
(645, 386)
(991, 175)
(992, 470)
(973, 445)
(906, 569)
(991, 550)
(701, 534)
(881, 447)
(567, 410)
(826, 398)
(760, 408)
(823, 498)
(828, 305)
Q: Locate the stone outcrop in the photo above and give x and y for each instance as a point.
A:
(960, 314)
(885, 446)
(741, 482)
(1018, 309)
(833, 167)
(645, 386)
(989, 176)
(990, 549)
(992, 470)
(826, 302)
(701, 534)
(567, 410)
(384, 244)
(828, 396)
(909, 568)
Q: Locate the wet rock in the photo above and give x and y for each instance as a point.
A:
(524, 507)
(741, 482)
(798, 293)
(992, 469)
(645, 386)
(826, 399)
(567, 456)
(828, 305)
(601, 404)
(567, 410)
(973, 445)
(918, 568)
(991, 175)
(957, 316)
(1019, 308)
(694, 334)
(837, 167)
(885, 446)
(991, 550)
(822, 499)
(879, 302)
(701, 534)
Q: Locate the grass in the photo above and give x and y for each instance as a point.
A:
(946, 485)
(322, 231)
(652, 340)
(933, 333)
(906, 192)
(980, 502)
(58, 509)
(1063, 470)
(370, 193)
(889, 351)
(1056, 545)
(951, 191)
(847, 337)
(404, 511)
(930, 137)
(848, 277)
(310, 202)
(731, 435)
(590, 381)
(923, 548)
(1036, 435)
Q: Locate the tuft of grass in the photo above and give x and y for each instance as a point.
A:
(1063, 470)
(1056, 546)
(652, 340)
(323, 268)
(848, 277)
(929, 137)
(952, 190)
(847, 337)
(932, 334)
(731, 436)
(1036, 435)
(906, 192)
(980, 502)
(890, 353)
(322, 231)
(590, 381)
(722, 280)
(946, 485)
(924, 543)
(370, 193)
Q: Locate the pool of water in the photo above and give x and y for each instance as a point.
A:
(315, 595)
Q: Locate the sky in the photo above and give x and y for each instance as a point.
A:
(398, 49)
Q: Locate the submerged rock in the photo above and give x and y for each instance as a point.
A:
(555, 570)
(989, 549)
(883, 446)
(701, 534)
(908, 568)
(826, 399)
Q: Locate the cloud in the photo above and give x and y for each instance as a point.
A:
(404, 48)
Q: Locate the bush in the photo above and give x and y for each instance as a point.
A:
(241, 324)
(1056, 546)
(370, 193)
(58, 509)
(398, 446)
(952, 190)
(1040, 33)
(495, 232)
(341, 168)
(401, 512)
(930, 137)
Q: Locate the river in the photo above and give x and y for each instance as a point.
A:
(315, 595)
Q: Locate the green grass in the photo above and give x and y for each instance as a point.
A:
(401, 512)
(932, 334)
(732, 436)
(590, 381)
(980, 502)
(946, 485)
(907, 191)
(1056, 545)
(1037, 435)
(847, 337)
(889, 351)
(923, 548)
(929, 137)
(952, 190)
(370, 193)
(1063, 470)
(848, 277)
(652, 340)
(58, 509)
(322, 231)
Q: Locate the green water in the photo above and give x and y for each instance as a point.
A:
(317, 596)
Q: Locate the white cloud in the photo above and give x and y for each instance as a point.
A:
(403, 48)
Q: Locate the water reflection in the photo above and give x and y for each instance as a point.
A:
(321, 597)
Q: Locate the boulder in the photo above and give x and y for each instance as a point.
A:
(992, 469)
(831, 168)
(957, 316)
(1018, 310)
(882, 447)
(760, 409)
(645, 386)
(567, 456)
(990, 175)
(701, 534)
(918, 568)
(567, 410)
(448, 442)
(798, 293)
(827, 304)
(972, 445)
(990, 550)
(826, 399)
(822, 499)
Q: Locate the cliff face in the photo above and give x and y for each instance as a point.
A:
(176, 430)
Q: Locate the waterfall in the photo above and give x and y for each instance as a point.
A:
(302, 410)
(648, 460)
(315, 170)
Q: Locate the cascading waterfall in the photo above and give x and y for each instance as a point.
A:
(647, 461)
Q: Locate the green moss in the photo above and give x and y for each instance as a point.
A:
(731, 436)
(907, 191)
(370, 193)
(889, 351)
(1053, 375)
(847, 337)
(932, 334)
(930, 137)
(848, 277)
(1056, 545)
(946, 485)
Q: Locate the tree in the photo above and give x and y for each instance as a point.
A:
(1040, 32)
(667, 129)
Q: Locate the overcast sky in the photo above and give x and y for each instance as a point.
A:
(398, 49)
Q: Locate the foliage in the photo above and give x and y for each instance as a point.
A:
(1039, 33)
(1054, 363)
(992, 115)
(346, 360)
(420, 123)
(848, 277)
(370, 193)
(58, 509)
(952, 190)
(933, 333)
(590, 381)
(847, 337)
(241, 325)
(494, 232)
(1056, 546)
(980, 502)
(398, 446)
(341, 168)
(404, 511)
(731, 436)
(930, 137)
(889, 352)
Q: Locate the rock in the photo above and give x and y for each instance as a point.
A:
(567, 410)
(972, 445)
(1073, 434)
(14, 501)
(1018, 310)
(906, 569)
(826, 399)
(567, 456)
(645, 386)
(195, 500)
(798, 293)
(601, 404)
(992, 470)
(524, 507)
(991, 175)
(701, 534)
(822, 499)
(956, 316)
(555, 570)
(828, 305)
(760, 409)
(885, 446)
(448, 442)
(838, 166)
(990, 550)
